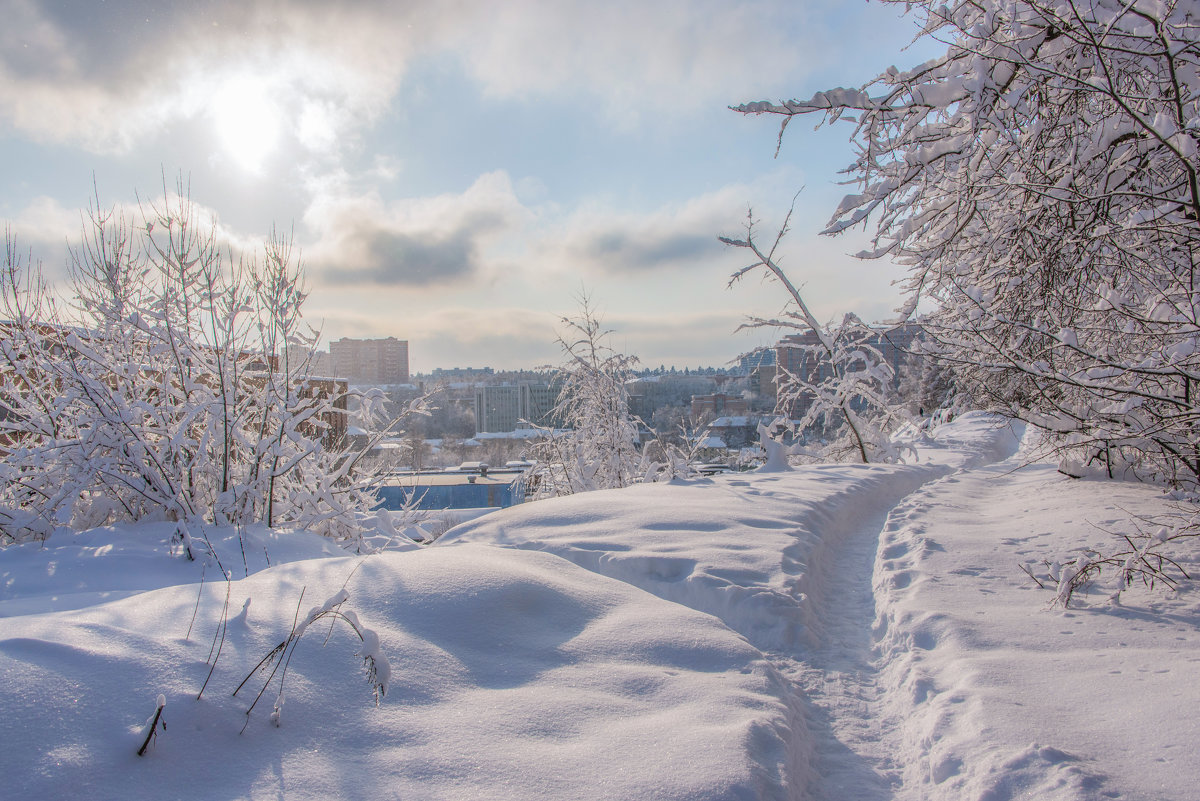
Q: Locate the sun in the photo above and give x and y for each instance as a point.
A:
(247, 121)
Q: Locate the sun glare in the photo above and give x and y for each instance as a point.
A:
(247, 122)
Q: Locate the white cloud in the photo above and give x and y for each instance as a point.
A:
(106, 76)
(40, 232)
(49, 231)
(44, 219)
(607, 243)
(603, 242)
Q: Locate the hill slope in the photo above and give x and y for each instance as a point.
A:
(826, 633)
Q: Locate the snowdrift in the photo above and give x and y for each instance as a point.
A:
(514, 675)
(745, 548)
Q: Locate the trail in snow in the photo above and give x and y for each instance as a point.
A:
(855, 743)
(917, 660)
(783, 559)
(837, 680)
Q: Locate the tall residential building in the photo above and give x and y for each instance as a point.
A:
(508, 407)
(497, 408)
(762, 382)
(314, 362)
(538, 402)
(755, 359)
(370, 361)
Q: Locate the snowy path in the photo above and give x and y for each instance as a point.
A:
(786, 560)
(838, 681)
(790, 569)
(855, 735)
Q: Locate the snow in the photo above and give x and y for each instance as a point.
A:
(511, 673)
(828, 632)
(74, 571)
(1068, 704)
(520, 433)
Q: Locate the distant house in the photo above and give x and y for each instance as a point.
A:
(651, 393)
(511, 407)
(711, 449)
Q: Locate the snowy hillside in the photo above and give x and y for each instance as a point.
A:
(831, 632)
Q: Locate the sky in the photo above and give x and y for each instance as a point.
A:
(458, 173)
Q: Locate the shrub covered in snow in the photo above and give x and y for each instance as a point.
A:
(172, 384)
(599, 447)
(845, 401)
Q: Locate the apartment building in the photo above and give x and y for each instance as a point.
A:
(508, 407)
(370, 361)
(718, 405)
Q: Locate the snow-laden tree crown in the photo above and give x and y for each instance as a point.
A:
(1039, 183)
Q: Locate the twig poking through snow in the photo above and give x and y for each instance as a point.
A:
(377, 668)
(152, 723)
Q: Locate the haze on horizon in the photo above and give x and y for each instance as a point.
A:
(453, 176)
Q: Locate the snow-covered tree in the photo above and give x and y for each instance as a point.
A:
(599, 445)
(164, 387)
(840, 393)
(1039, 183)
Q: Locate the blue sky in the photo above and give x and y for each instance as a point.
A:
(456, 172)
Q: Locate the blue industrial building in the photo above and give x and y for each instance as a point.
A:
(457, 489)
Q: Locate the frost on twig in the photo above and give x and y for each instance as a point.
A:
(1040, 183)
(598, 446)
(173, 383)
(1144, 557)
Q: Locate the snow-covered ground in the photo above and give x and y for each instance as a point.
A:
(834, 632)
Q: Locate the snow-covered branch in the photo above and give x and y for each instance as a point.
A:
(840, 386)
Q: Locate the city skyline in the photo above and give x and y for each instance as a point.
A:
(455, 178)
